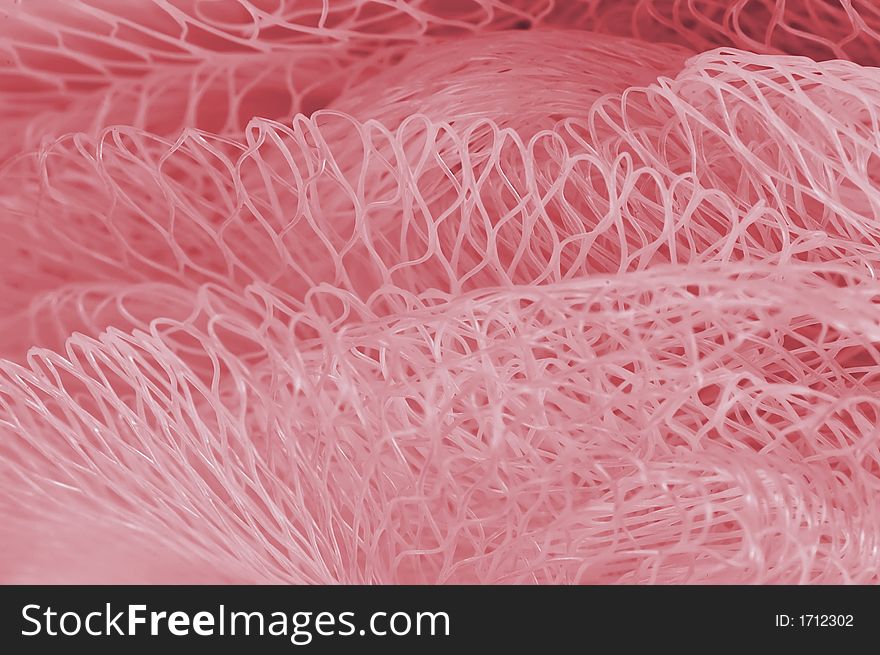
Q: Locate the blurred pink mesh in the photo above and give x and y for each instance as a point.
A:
(440, 292)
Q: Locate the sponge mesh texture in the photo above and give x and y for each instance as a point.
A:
(440, 292)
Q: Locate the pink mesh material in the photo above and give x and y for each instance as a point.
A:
(469, 291)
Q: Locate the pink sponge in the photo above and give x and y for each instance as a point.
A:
(435, 292)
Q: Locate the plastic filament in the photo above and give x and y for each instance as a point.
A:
(440, 291)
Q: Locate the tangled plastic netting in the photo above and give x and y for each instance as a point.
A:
(432, 291)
